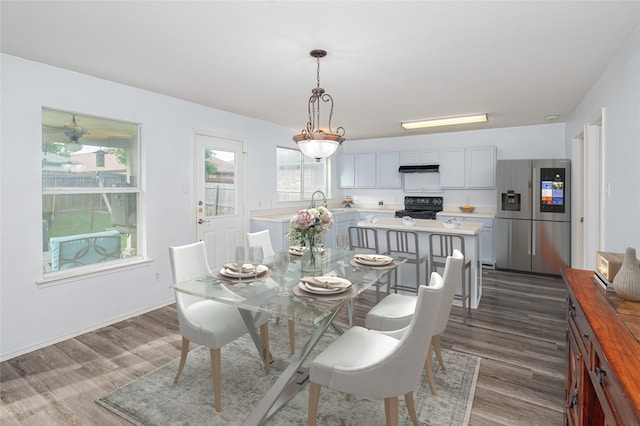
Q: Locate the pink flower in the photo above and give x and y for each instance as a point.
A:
(305, 219)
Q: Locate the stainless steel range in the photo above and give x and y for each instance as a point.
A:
(421, 207)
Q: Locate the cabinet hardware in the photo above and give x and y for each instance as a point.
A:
(600, 373)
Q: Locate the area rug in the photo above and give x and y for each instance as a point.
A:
(153, 400)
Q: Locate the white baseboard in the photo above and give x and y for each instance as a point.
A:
(58, 339)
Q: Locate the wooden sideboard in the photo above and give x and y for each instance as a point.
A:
(603, 354)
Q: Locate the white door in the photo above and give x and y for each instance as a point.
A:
(219, 187)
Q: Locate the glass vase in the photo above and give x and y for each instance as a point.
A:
(311, 262)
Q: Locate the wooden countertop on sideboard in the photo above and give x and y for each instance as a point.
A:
(612, 320)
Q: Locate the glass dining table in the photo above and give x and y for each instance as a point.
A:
(264, 297)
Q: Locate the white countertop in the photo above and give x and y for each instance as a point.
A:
(424, 225)
(271, 216)
(481, 214)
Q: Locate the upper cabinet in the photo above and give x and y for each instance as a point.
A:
(473, 168)
(366, 170)
(481, 167)
(346, 171)
(387, 170)
(419, 157)
(369, 170)
(452, 167)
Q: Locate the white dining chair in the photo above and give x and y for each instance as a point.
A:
(263, 239)
(395, 312)
(443, 245)
(206, 322)
(371, 364)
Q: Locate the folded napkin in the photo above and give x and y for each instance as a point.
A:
(246, 268)
(325, 282)
(297, 249)
(373, 258)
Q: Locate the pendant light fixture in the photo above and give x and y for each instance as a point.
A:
(313, 141)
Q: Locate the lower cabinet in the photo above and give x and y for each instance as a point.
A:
(597, 339)
(341, 224)
(278, 231)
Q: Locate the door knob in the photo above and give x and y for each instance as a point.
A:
(201, 221)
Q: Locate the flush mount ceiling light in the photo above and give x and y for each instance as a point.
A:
(445, 121)
(313, 141)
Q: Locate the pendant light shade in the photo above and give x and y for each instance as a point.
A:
(314, 141)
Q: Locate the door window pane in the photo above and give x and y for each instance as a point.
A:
(219, 183)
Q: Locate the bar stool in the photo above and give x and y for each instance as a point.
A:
(441, 246)
(363, 239)
(405, 244)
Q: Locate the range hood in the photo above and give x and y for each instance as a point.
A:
(420, 168)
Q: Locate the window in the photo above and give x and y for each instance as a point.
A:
(90, 190)
(299, 176)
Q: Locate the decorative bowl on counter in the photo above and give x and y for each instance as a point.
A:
(408, 221)
(451, 223)
(467, 209)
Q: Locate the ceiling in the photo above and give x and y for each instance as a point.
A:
(387, 62)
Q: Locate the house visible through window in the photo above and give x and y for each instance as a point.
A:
(298, 177)
(90, 190)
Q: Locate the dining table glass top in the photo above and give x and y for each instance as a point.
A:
(263, 294)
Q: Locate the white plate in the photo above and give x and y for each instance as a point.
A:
(296, 251)
(229, 273)
(384, 260)
(319, 290)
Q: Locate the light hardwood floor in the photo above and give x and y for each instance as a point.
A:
(518, 331)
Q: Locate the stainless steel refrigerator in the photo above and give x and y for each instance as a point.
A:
(533, 222)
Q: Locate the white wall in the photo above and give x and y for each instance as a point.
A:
(618, 91)
(543, 141)
(33, 316)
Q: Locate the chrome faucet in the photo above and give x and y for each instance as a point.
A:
(313, 201)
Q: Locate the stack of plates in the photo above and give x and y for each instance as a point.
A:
(261, 269)
(326, 291)
(372, 259)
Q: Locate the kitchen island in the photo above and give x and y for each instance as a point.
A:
(469, 231)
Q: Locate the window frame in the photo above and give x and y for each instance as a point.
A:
(100, 268)
(302, 192)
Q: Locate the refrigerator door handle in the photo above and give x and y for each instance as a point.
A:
(533, 238)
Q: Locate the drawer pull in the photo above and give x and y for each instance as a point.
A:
(574, 400)
(600, 373)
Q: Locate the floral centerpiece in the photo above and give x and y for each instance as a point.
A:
(307, 228)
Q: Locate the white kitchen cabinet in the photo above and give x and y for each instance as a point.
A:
(487, 252)
(369, 170)
(278, 231)
(365, 170)
(387, 170)
(346, 171)
(341, 223)
(481, 167)
(420, 157)
(452, 168)
(473, 168)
